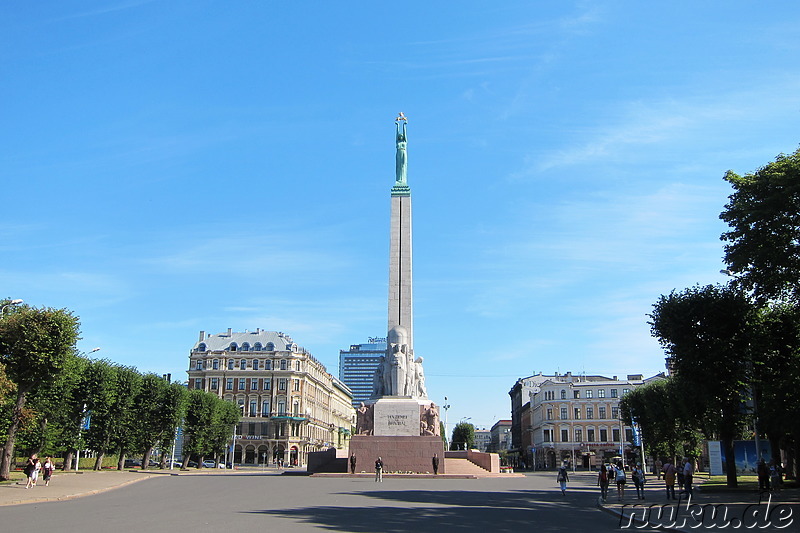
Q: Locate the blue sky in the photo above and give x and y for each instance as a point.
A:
(171, 167)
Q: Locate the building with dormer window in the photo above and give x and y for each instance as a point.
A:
(290, 404)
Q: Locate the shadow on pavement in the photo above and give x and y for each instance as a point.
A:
(443, 511)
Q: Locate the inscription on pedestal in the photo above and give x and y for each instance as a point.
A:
(396, 417)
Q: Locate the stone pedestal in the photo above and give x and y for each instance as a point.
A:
(399, 453)
(396, 437)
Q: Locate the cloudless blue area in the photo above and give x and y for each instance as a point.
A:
(175, 166)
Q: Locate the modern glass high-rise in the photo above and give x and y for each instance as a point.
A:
(357, 367)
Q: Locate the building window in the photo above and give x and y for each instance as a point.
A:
(590, 435)
(296, 385)
(253, 408)
(242, 364)
(282, 384)
(283, 364)
(267, 384)
(255, 364)
(281, 407)
(198, 383)
(229, 384)
(615, 413)
(297, 365)
(576, 394)
(577, 412)
(257, 347)
(198, 365)
(589, 413)
(625, 391)
(563, 413)
(214, 383)
(245, 347)
(589, 394)
(564, 435)
(563, 394)
(267, 365)
(241, 384)
(601, 413)
(232, 347)
(549, 414)
(230, 364)
(578, 434)
(265, 410)
(615, 435)
(603, 435)
(270, 347)
(613, 393)
(201, 347)
(601, 393)
(296, 408)
(547, 435)
(254, 384)
(215, 364)
(628, 434)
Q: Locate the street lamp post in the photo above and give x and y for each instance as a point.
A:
(16, 301)
(446, 406)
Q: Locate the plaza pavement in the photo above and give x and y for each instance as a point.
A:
(505, 503)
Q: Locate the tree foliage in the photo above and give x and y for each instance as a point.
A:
(35, 347)
(707, 332)
(463, 436)
(764, 240)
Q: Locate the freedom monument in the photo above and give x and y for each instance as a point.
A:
(399, 423)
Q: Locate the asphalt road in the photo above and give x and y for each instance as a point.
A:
(268, 502)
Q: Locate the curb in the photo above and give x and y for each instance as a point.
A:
(45, 499)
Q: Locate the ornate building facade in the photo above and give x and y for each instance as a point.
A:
(290, 404)
(574, 418)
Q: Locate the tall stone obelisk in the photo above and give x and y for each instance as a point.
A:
(400, 280)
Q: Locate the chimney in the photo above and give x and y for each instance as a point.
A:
(202, 335)
(230, 331)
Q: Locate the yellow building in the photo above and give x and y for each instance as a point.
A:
(290, 404)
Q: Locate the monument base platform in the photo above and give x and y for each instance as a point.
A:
(399, 453)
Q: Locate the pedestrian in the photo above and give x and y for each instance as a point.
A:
(379, 470)
(435, 462)
(775, 479)
(47, 470)
(563, 477)
(763, 476)
(352, 463)
(657, 466)
(688, 473)
(619, 477)
(32, 466)
(602, 482)
(637, 475)
(669, 479)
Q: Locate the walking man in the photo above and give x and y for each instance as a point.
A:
(353, 463)
(688, 472)
(563, 477)
(379, 470)
(669, 479)
(435, 462)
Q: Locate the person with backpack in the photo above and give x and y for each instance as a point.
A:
(619, 477)
(379, 470)
(563, 478)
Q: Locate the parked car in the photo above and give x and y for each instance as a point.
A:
(133, 463)
(211, 464)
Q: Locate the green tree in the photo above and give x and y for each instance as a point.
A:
(667, 424)
(226, 416)
(706, 333)
(35, 346)
(101, 392)
(159, 408)
(764, 240)
(463, 436)
(198, 428)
